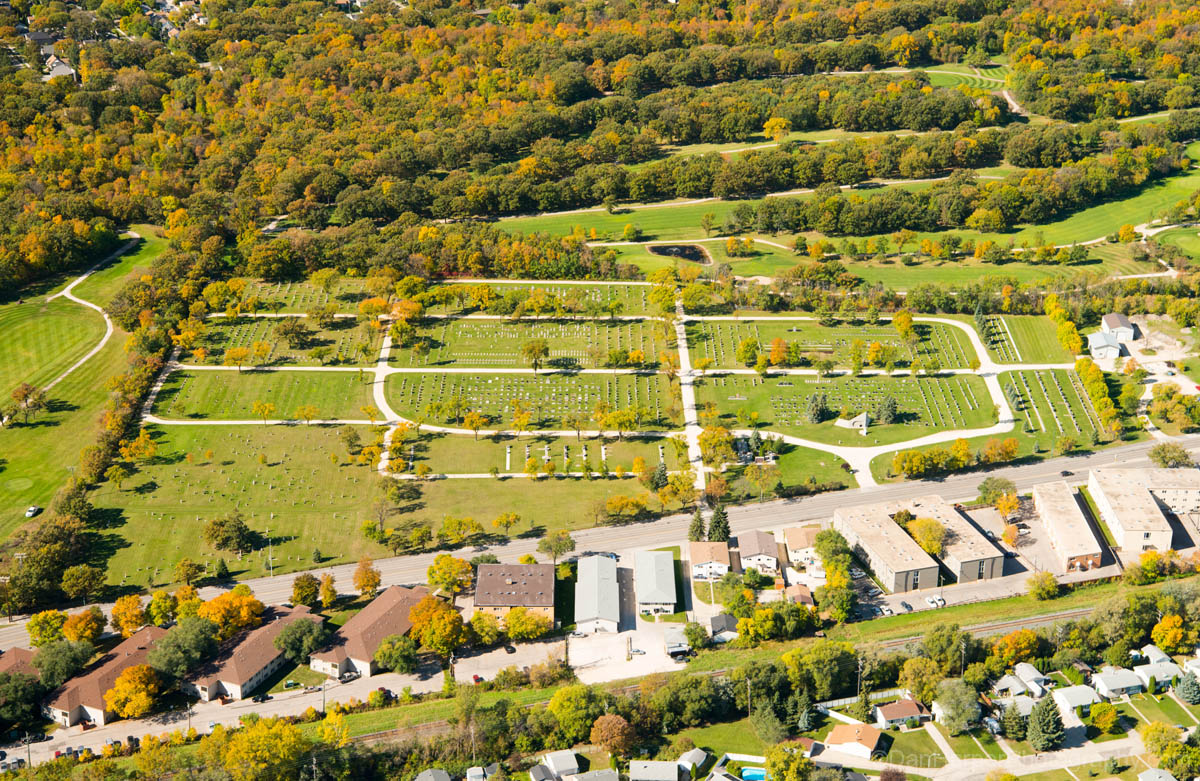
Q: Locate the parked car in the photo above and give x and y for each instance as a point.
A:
(934, 602)
(887, 611)
(939, 601)
(637, 652)
(578, 634)
(874, 591)
(477, 678)
(32, 511)
(856, 573)
(261, 697)
(350, 676)
(907, 608)
(508, 649)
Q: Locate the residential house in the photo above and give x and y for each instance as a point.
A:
(604, 774)
(758, 549)
(562, 763)
(801, 544)
(1161, 674)
(1155, 774)
(1113, 682)
(1103, 346)
(691, 762)
(710, 560)
(540, 773)
(1118, 325)
(597, 595)
(800, 594)
(653, 770)
(939, 713)
(1070, 698)
(479, 773)
(81, 699)
(433, 774)
(501, 587)
(860, 740)
(1190, 666)
(895, 714)
(654, 582)
(1009, 685)
(56, 67)
(353, 646)
(247, 660)
(1022, 702)
(724, 628)
(19, 660)
(1153, 654)
(1034, 681)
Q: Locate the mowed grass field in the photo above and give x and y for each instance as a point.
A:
(299, 296)
(104, 283)
(42, 339)
(629, 298)
(459, 454)
(230, 395)
(306, 501)
(925, 405)
(1024, 339)
(348, 341)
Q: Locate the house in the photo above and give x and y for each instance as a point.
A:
(353, 646)
(433, 774)
(478, 773)
(801, 544)
(807, 746)
(758, 549)
(724, 628)
(1118, 325)
(1153, 654)
(1070, 534)
(81, 699)
(561, 763)
(1162, 674)
(900, 712)
(597, 596)
(1022, 702)
(56, 68)
(654, 582)
(1034, 681)
(800, 594)
(1010, 684)
(1113, 682)
(247, 660)
(1070, 698)
(605, 774)
(860, 740)
(19, 661)
(691, 762)
(710, 560)
(1155, 774)
(540, 773)
(1190, 666)
(653, 770)
(501, 587)
(1103, 345)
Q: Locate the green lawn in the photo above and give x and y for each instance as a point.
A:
(977, 744)
(1162, 707)
(562, 298)
(158, 516)
(43, 339)
(105, 283)
(914, 748)
(548, 397)
(346, 340)
(447, 453)
(926, 405)
(231, 395)
(1030, 339)
(300, 296)
(571, 343)
(736, 737)
(1053, 403)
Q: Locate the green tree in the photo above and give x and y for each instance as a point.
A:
(183, 647)
(1170, 455)
(959, 703)
(696, 530)
(535, 352)
(993, 488)
(300, 639)
(1042, 585)
(718, 527)
(576, 708)
(1014, 723)
(1188, 689)
(450, 575)
(398, 654)
(1045, 729)
(556, 543)
(60, 661)
(82, 581)
(46, 627)
(306, 590)
(229, 533)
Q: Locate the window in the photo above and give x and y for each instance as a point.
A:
(981, 567)
(1146, 536)
(916, 579)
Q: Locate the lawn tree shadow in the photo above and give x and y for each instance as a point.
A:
(532, 533)
(106, 517)
(148, 487)
(60, 405)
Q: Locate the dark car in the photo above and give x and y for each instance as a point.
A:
(264, 697)
(1066, 473)
(508, 649)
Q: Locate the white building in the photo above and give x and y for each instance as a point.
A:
(1163, 675)
(895, 558)
(1069, 698)
(1134, 503)
(248, 660)
(562, 763)
(709, 560)
(1112, 682)
(653, 770)
(1034, 681)
(801, 544)
(758, 549)
(1118, 325)
(1066, 526)
(597, 595)
(654, 582)
(1103, 346)
(353, 647)
(1153, 654)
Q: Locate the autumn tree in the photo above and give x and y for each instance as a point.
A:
(306, 590)
(449, 574)
(46, 627)
(929, 533)
(522, 624)
(134, 693)
(367, 578)
(614, 734)
(233, 611)
(1042, 585)
(85, 626)
(128, 615)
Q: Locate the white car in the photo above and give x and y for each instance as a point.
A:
(940, 602)
(935, 602)
(32, 511)
(857, 573)
(887, 611)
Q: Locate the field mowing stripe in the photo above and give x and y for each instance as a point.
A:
(1011, 340)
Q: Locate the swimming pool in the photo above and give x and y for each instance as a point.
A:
(754, 774)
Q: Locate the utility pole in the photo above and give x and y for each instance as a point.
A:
(270, 558)
(962, 663)
(747, 696)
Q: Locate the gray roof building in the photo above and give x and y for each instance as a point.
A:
(654, 578)
(653, 770)
(597, 595)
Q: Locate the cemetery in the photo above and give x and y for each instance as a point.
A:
(231, 395)
(718, 341)
(1051, 401)
(573, 343)
(345, 341)
(595, 299)
(301, 296)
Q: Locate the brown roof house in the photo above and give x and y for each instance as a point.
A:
(82, 698)
(354, 645)
(759, 550)
(19, 660)
(247, 659)
(501, 587)
(900, 712)
(860, 740)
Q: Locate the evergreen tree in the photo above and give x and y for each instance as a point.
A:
(1045, 726)
(658, 478)
(1188, 689)
(756, 442)
(696, 532)
(1014, 723)
(805, 718)
(718, 527)
(221, 571)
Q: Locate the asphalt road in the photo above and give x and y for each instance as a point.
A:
(624, 540)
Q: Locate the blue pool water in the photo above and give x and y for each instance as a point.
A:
(754, 774)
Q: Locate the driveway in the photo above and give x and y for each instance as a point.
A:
(606, 657)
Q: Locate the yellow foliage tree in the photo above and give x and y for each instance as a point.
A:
(134, 692)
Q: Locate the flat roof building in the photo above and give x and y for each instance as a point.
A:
(597, 595)
(654, 581)
(966, 552)
(1134, 503)
(1067, 527)
(501, 587)
(895, 558)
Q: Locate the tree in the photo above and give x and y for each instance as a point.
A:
(307, 412)
(128, 616)
(521, 624)
(486, 627)
(183, 647)
(1014, 723)
(61, 661)
(306, 590)
(117, 474)
(328, 593)
(767, 726)
(232, 611)
(696, 530)
(450, 575)
(1170, 455)
(162, 608)
(718, 527)
(762, 477)
(929, 534)
(85, 626)
(576, 707)
(993, 488)
(556, 543)
(1157, 735)
(506, 521)
(475, 420)
(921, 676)
(300, 639)
(1045, 729)
(535, 351)
(397, 654)
(134, 692)
(614, 734)
(1042, 585)
(229, 533)
(959, 703)
(1007, 505)
(441, 631)
(367, 578)
(1020, 645)
(1188, 689)
(82, 581)
(46, 627)
(787, 763)
(20, 699)
(1105, 717)
(186, 571)
(263, 410)
(265, 750)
